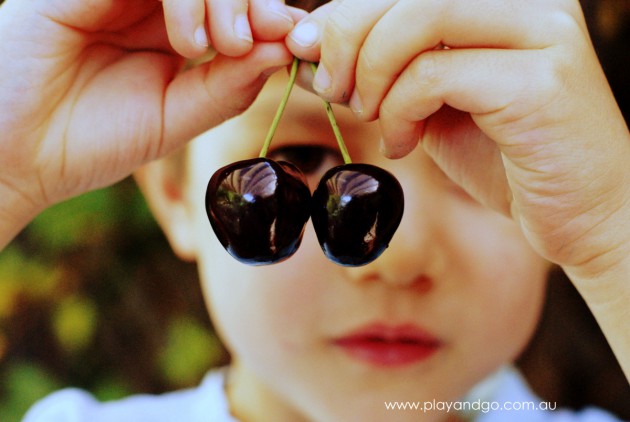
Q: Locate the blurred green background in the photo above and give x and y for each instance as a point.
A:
(91, 296)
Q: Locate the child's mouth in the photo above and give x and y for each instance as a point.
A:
(384, 345)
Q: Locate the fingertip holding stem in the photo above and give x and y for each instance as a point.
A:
(322, 82)
(333, 123)
(305, 34)
(305, 76)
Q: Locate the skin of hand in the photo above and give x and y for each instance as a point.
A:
(515, 108)
(510, 101)
(92, 89)
(194, 24)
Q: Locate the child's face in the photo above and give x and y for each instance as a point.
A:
(456, 295)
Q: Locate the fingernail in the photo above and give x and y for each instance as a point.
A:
(305, 34)
(201, 37)
(242, 29)
(355, 103)
(322, 83)
(279, 9)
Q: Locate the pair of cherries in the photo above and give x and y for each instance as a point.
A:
(258, 208)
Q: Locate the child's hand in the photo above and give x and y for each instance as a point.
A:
(229, 26)
(92, 89)
(506, 95)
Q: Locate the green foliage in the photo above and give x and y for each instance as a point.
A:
(20, 275)
(93, 216)
(92, 297)
(23, 384)
(190, 349)
(74, 323)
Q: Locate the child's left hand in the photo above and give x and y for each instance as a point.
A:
(507, 97)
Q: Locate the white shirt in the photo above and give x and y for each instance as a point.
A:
(504, 390)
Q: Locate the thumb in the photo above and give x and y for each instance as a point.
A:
(205, 96)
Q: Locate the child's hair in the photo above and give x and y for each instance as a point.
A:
(308, 5)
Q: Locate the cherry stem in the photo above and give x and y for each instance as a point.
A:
(335, 127)
(281, 107)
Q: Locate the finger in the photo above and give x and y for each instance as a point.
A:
(271, 20)
(304, 40)
(229, 28)
(337, 31)
(304, 77)
(205, 96)
(135, 25)
(498, 87)
(411, 27)
(88, 15)
(344, 33)
(296, 13)
(468, 157)
(186, 26)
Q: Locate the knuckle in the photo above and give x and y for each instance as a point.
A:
(388, 110)
(223, 107)
(369, 61)
(372, 73)
(554, 71)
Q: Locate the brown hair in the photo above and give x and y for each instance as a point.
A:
(308, 5)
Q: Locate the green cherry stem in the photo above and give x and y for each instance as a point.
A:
(283, 103)
(335, 127)
(281, 107)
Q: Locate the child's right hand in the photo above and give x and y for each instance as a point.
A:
(228, 26)
(92, 89)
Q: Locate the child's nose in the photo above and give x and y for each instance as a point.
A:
(417, 252)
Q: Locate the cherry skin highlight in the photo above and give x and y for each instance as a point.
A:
(258, 209)
(356, 211)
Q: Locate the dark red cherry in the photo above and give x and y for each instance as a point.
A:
(356, 211)
(258, 209)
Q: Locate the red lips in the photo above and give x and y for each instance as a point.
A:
(389, 346)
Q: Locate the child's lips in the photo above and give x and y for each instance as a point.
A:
(384, 345)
